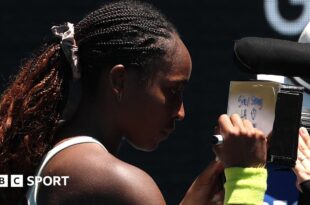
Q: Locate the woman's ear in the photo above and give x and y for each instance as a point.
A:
(117, 79)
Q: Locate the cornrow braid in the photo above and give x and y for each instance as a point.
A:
(126, 32)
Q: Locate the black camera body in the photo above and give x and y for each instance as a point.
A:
(283, 142)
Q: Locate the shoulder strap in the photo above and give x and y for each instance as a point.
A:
(33, 191)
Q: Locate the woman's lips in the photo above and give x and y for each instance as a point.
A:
(166, 132)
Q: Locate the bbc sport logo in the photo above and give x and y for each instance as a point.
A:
(15, 180)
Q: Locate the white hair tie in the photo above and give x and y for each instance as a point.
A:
(68, 44)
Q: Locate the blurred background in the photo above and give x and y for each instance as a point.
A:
(208, 28)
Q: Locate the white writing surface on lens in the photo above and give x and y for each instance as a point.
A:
(255, 101)
(283, 25)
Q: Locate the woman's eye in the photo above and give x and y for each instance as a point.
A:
(173, 91)
(176, 91)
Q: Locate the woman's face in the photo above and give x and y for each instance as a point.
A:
(149, 112)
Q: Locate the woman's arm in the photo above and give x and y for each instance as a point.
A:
(207, 189)
(243, 156)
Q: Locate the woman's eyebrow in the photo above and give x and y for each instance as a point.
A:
(176, 83)
(180, 81)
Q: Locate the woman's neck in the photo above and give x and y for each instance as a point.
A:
(88, 121)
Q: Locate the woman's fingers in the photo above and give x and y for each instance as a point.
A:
(303, 132)
(248, 124)
(234, 125)
(225, 124)
(303, 163)
(218, 198)
(301, 173)
(251, 130)
(300, 156)
(243, 145)
(302, 167)
(303, 148)
(237, 122)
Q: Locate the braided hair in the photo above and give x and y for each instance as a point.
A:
(127, 32)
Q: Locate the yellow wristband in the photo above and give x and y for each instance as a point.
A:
(245, 185)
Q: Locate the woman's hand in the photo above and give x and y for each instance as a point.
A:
(302, 168)
(207, 188)
(243, 145)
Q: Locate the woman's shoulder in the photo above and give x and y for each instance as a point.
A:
(98, 177)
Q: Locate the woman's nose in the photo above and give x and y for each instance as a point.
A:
(181, 113)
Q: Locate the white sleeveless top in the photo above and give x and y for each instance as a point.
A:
(33, 190)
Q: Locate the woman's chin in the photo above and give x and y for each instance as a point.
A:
(148, 146)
